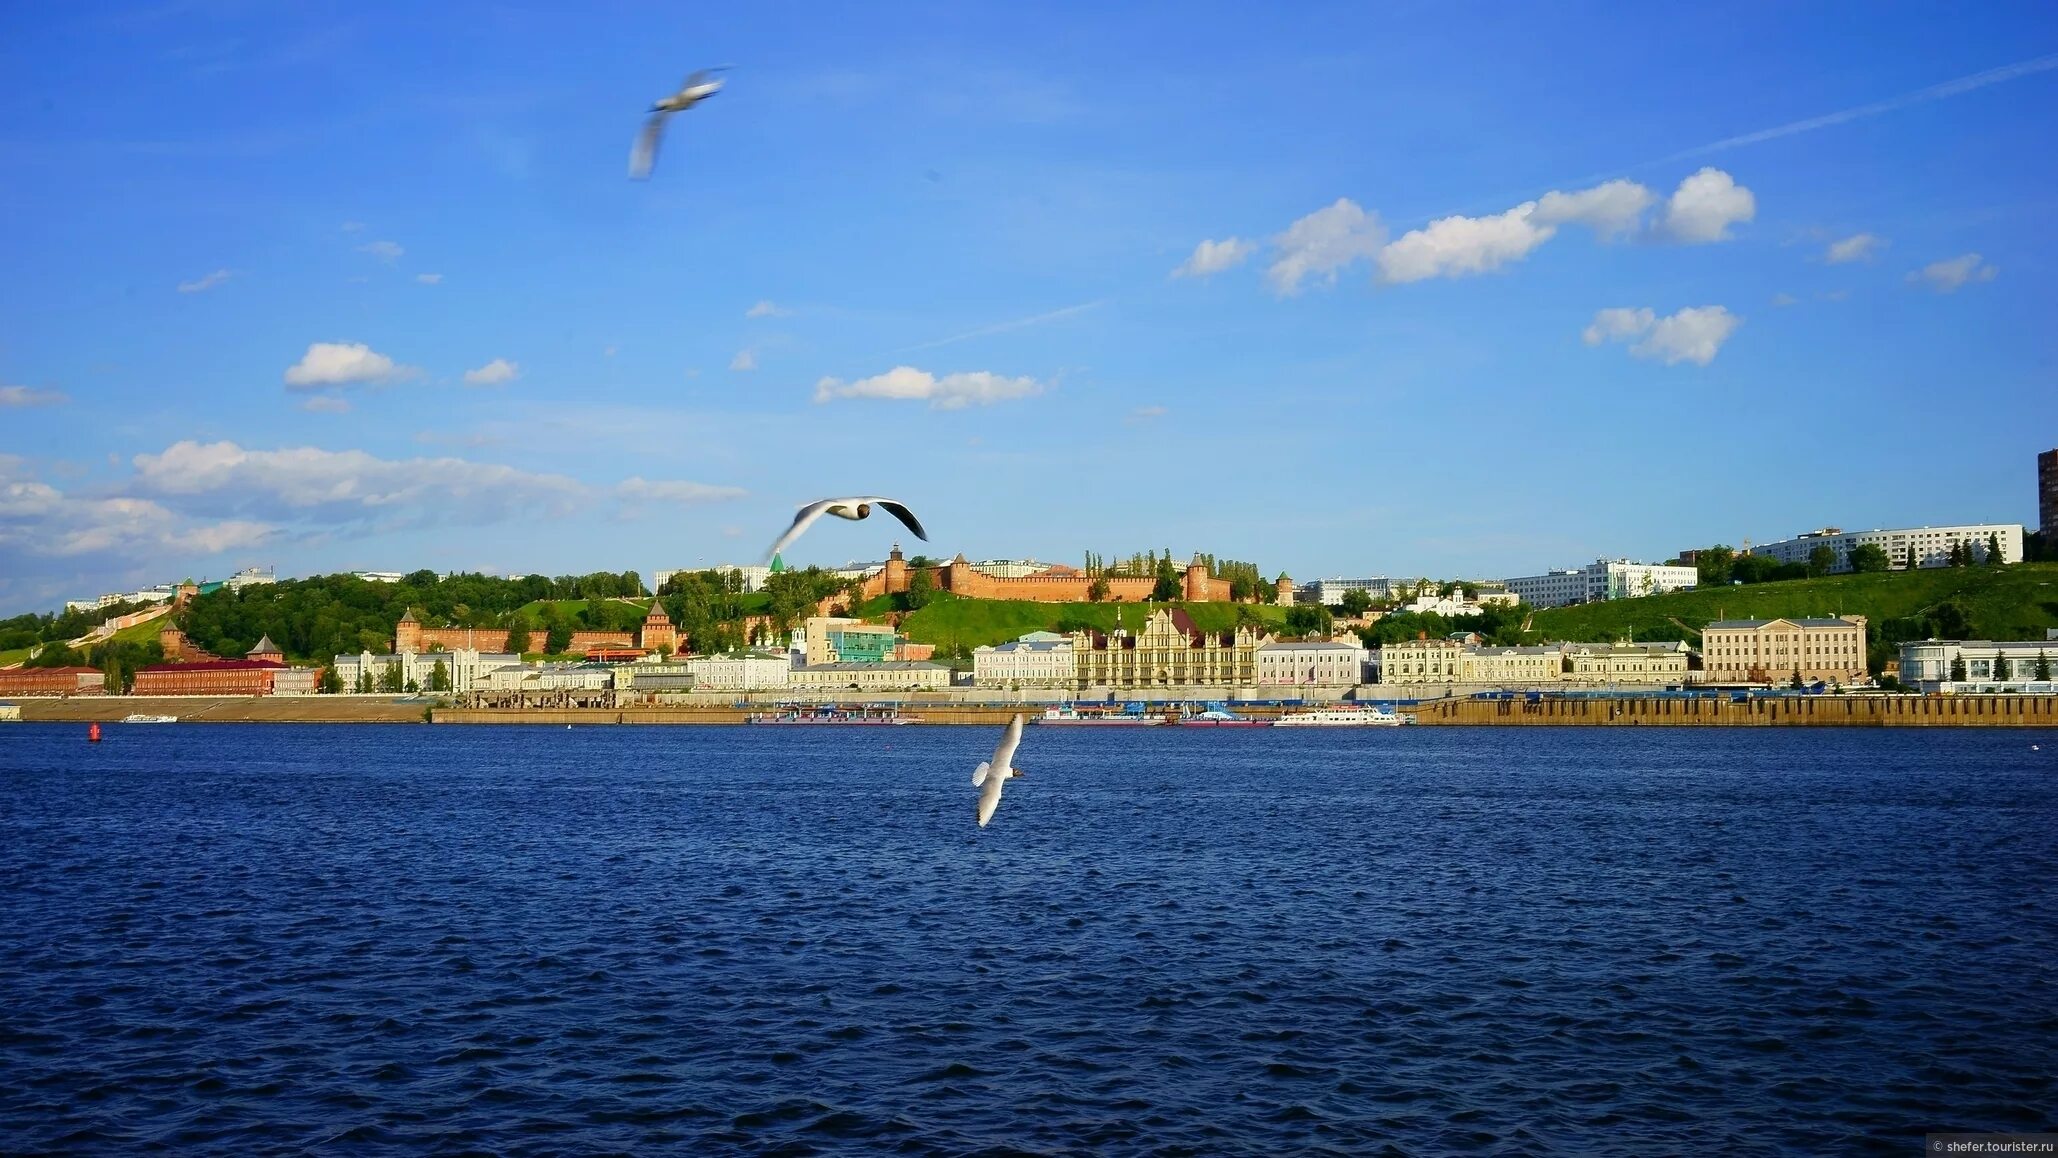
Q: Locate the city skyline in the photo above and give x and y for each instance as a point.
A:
(1064, 280)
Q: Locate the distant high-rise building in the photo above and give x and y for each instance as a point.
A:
(2047, 497)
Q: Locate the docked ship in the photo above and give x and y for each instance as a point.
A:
(1096, 718)
(1218, 718)
(1340, 718)
(831, 715)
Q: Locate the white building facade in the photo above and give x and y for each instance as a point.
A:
(750, 672)
(1335, 664)
(1930, 546)
(891, 676)
(1600, 580)
(465, 667)
(1040, 659)
(1980, 665)
(1329, 592)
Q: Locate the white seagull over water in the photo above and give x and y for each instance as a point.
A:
(989, 776)
(698, 87)
(852, 509)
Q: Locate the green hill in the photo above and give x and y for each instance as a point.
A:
(2017, 602)
(951, 622)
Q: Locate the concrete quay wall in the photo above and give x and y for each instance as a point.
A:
(1862, 711)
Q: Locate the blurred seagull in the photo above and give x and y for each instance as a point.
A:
(852, 509)
(697, 88)
(988, 777)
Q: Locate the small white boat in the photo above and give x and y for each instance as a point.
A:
(142, 718)
(1340, 718)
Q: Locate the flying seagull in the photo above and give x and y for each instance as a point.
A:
(988, 777)
(852, 509)
(697, 88)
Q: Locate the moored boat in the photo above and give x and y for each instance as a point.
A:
(1217, 718)
(1340, 718)
(843, 716)
(1095, 718)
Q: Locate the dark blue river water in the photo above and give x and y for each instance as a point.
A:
(392, 939)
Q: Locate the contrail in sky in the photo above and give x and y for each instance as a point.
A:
(1935, 92)
(1003, 327)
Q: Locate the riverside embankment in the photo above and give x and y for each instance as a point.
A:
(1857, 711)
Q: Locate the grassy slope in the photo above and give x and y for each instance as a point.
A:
(976, 622)
(2016, 602)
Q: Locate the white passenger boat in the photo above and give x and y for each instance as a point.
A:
(1340, 718)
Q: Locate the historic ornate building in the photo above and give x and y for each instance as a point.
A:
(1056, 585)
(1170, 651)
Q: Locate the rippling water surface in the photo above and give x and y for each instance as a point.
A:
(253, 939)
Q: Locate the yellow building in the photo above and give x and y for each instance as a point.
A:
(1770, 651)
(1422, 661)
(1169, 651)
(1626, 663)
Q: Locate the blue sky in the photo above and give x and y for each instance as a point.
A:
(1791, 276)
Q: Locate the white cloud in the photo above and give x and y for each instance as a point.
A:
(1857, 247)
(343, 364)
(39, 519)
(765, 309)
(1783, 300)
(387, 251)
(1949, 275)
(353, 227)
(1609, 209)
(1692, 335)
(745, 359)
(1614, 324)
(950, 392)
(493, 373)
(12, 396)
(1212, 257)
(326, 404)
(1145, 414)
(1705, 205)
(429, 278)
(1452, 246)
(642, 490)
(1324, 243)
(349, 486)
(205, 282)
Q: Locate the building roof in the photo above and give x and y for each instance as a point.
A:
(1027, 644)
(882, 665)
(407, 616)
(1331, 645)
(1757, 623)
(264, 644)
(218, 665)
(73, 669)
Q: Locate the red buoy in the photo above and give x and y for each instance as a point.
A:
(93, 733)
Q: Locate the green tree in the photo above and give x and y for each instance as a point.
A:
(1306, 619)
(439, 677)
(364, 681)
(1820, 561)
(330, 683)
(389, 680)
(1995, 557)
(1998, 669)
(1914, 560)
(1754, 568)
(558, 635)
(1356, 602)
(921, 589)
(1097, 591)
(1711, 565)
(1957, 669)
(518, 635)
(1868, 557)
(1796, 681)
(2043, 669)
(410, 687)
(1167, 589)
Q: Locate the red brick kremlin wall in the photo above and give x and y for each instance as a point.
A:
(960, 578)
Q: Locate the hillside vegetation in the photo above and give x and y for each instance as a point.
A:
(952, 623)
(2017, 602)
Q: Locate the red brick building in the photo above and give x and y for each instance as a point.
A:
(52, 681)
(219, 677)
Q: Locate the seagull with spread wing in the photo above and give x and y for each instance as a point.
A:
(990, 775)
(852, 509)
(698, 87)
